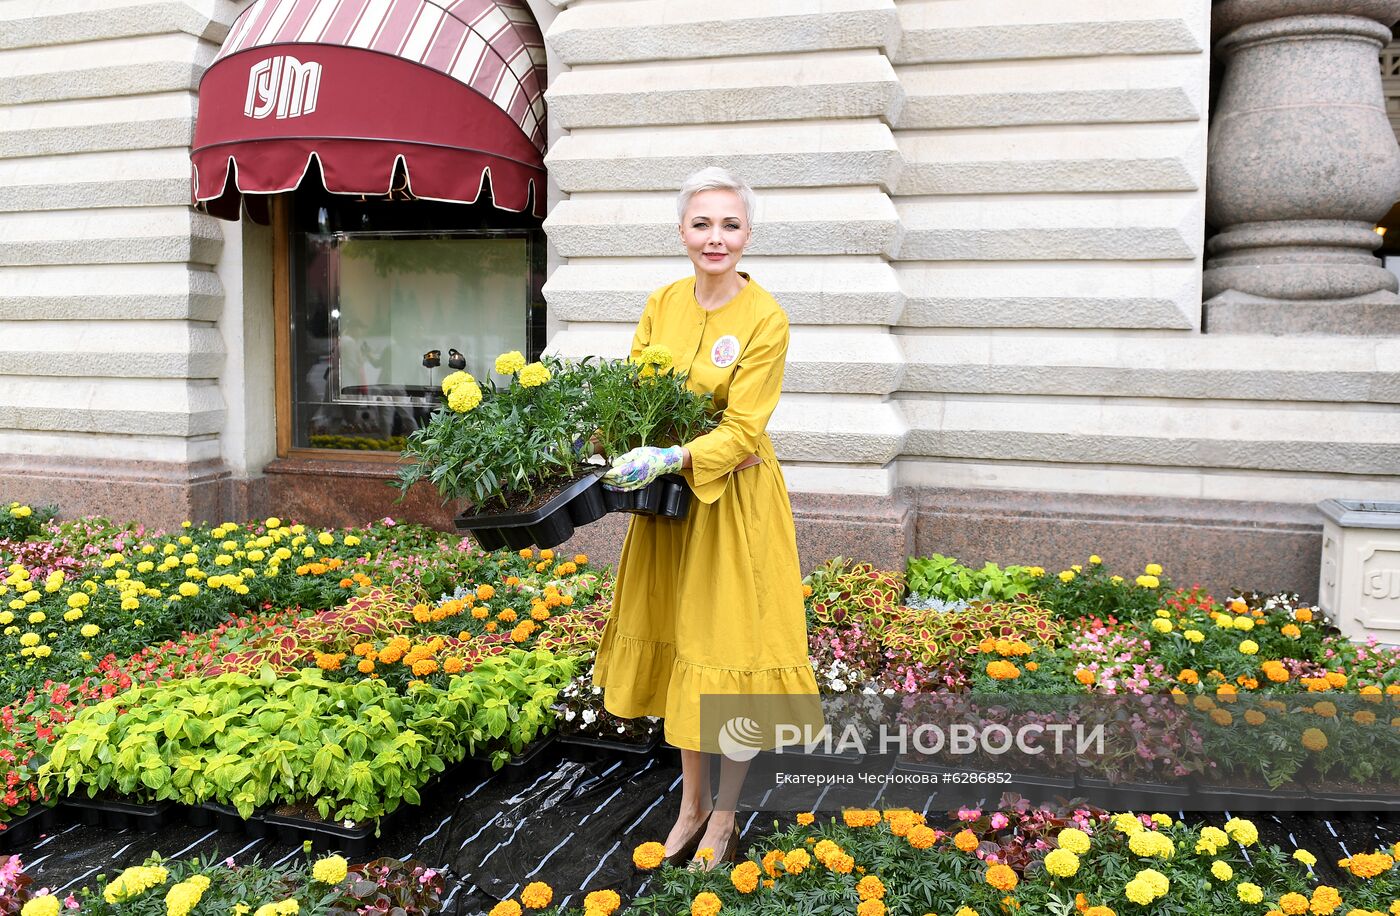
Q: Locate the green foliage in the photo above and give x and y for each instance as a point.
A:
(251, 884)
(1084, 592)
(354, 750)
(945, 578)
(631, 405)
(515, 441)
(842, 592)
(20, 522)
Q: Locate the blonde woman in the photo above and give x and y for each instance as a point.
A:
(712, 603)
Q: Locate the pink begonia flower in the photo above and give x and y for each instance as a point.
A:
(999, 821)
(70, 902)
(969, 814)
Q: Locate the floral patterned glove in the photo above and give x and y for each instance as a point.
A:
(639, 467)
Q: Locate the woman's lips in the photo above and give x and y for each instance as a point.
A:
(715, 256)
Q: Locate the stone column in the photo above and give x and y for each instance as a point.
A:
(1302, 162)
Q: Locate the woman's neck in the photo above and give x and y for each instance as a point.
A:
(711, 292)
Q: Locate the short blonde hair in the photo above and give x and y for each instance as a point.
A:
(714, 178)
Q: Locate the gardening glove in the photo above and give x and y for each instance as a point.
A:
(639, 467)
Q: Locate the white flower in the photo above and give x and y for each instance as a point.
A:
(589, 717)
(569, 716)
(838, 685)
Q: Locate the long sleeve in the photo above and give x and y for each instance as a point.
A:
(753, 395)
(641, 338)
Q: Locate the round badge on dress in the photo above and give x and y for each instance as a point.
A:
(725, 351)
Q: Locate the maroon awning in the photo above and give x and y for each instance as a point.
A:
(452, 90)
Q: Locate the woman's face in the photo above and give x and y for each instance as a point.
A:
(715, 231)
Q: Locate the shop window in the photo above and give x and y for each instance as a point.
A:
(379, 286)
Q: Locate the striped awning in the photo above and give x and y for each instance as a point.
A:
(449, 91)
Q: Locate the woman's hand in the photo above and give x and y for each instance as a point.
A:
(639, 467)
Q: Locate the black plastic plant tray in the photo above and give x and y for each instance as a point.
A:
(325, 836)
(27, 827)
(539, 753)
(599, 748)
(1132, 796)
(1250, 798)
(226, 819)
(550, 525)
(668, 496)
(120, 815)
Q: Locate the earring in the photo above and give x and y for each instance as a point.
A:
(455, 360)
(432, 359)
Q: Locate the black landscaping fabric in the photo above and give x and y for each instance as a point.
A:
(573, 822)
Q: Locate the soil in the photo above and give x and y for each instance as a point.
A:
(520, 503)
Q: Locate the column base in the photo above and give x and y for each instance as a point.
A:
(1373, 315)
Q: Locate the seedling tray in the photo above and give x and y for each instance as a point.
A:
(226, 819)
(325, 836)
(579, 504)
(26, 828)
(1133, 796)
(121, 815)
(602, 748)
(668, 496)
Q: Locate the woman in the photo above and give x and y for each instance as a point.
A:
(710, 604)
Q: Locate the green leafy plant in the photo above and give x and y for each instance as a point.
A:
(514, 441)
(938, 576)
(639, 402)
(20, 522)
(217, 887)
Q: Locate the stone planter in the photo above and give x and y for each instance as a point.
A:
(1360, 581)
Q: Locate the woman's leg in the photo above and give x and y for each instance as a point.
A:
(696, 800)
(718, 835)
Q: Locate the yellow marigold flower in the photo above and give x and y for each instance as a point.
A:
(448, 384)
(1244, 623)
(533, 375)
(1001, 877)
(90, 630)
(1242, 831)
(506, 908)
(1148, 581)
(1249, 647)
(510, 363)
(77, 600)
(744, 877)
(965, 911)
(1099, 911)
(330, 870)
(1061, 863)
(704, 904)
(1162, 626)
(1073, 839)
(1067, 575)
(870, 888)
(1221, 870)
(1314, 739)
(133, 882)
(1307, 858)
(1293, 904)
(1095, 559)
(1153, 569)
(1249, 893)
(537, 895)
(464, 397)
(1149, 843)
(46, 905)
(648, 855)
(655, 355)
(1127, 823)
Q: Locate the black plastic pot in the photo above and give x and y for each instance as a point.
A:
(1250, 798)
(668, 496)
(550, 525)
(120, 815)
(26, 828)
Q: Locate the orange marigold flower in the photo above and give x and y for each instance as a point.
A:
(1189, 676)
(1099, 911)
(453, 665)
(870, 888)
(1336, 678)
(796, 861)
(1303, 615)
(1001, 877)
(581, 558)
(1221, 716)
(1001, 670)
(987, 645)
(505, 908)
(329, 661)
(965, 840)
(806, 818)
(705, 904)
(506, 616)
(1325, 900)
(1314, 739)
(1368, 865)
(744, 877)
(1084, 676)
(841, 863)
(772, 859)
(1293, 904)
(346, 583)
(364, 648)
(510, 580)
(1291, 631)
(605, 903)
(648, 855)
(860, 817)
(537, 895)
(365, 666)
(424, 666)
(871, 908)
(486, 592)
(481, 613)
(1254, 717)
(490, 626)
(921, 836)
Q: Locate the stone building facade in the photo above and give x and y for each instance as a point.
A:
(1050, 294)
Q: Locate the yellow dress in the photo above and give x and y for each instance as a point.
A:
(712, 603)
